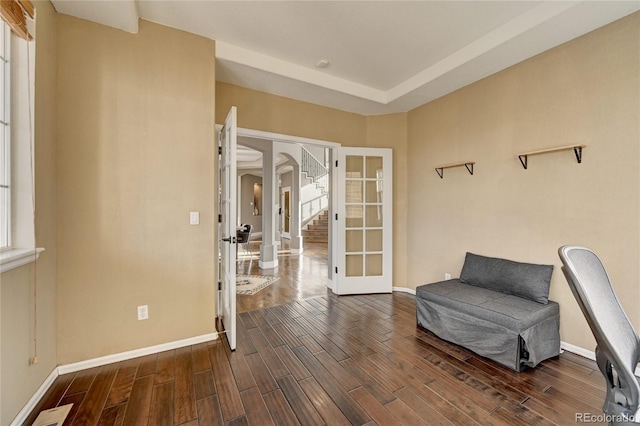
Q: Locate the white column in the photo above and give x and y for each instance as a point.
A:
(268, 249)
(294, 226)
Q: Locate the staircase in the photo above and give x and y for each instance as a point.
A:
(318, 229)
(315, 171)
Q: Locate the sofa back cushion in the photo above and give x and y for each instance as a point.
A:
(520, 279)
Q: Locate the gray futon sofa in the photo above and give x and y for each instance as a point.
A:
(497, 308)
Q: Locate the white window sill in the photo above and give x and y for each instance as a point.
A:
(15, 258)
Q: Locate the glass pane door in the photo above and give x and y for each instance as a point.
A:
(227, 228)
(367, 223)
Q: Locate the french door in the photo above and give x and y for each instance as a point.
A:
(365, 221)
(227, 227)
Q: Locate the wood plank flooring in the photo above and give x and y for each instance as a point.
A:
(300, 276)
(329, 360)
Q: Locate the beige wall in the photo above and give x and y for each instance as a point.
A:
(583, 92)
(270, 113)
(19, 378)
(391, 131)
(135, 155)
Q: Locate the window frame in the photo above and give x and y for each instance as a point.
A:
(18, 165)
(5, 119)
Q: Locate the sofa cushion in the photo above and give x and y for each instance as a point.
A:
(520, 279)
(511, 312)
(508, 329)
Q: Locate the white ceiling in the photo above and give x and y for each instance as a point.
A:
(250, 159)
(247, 155)
(384, 56)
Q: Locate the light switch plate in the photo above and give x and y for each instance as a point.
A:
(194, 218)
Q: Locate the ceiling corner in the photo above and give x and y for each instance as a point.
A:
(122, 14)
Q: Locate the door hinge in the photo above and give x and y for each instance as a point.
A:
(336, 163)
(219, 285)
(336, 269)
(219, 150)
(336, 216)
(219, 218)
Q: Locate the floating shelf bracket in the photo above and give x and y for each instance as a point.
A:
(467, 164)
(577, 149)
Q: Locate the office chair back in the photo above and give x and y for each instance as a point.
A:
(244, 237)
(618, 345)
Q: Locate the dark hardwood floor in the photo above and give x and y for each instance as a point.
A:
(300, 276)
(329, 360)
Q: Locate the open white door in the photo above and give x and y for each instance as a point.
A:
(227, 227)
(364, 243)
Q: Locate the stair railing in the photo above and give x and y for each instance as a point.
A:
(310, 208)
(315, 171)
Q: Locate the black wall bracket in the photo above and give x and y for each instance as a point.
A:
(577, 150)
(467, 164)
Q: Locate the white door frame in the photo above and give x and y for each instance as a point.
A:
(332, 276)
(284, 218)
(333, 148)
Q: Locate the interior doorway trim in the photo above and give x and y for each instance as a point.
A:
(333, 147)
(285, 207)
(278, 137)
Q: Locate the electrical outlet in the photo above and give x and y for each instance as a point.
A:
(143, 312)
(447, 276)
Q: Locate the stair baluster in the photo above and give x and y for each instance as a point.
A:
(315, 171)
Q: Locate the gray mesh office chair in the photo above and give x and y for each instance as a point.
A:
(244, 238)
(618, 345)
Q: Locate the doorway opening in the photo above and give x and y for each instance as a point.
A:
(285, 212)
(300, 210)
(361, 198)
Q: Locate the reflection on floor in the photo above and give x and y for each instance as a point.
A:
(301, 276)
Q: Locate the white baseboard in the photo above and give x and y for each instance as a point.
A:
(31, 404)
(272, 264)
(97, 362)
(586, 353)
(122, 356)
(404, 290)
(578, 350)
(330, 285)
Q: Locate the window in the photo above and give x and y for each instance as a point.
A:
(5, 157)
(17, 234)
